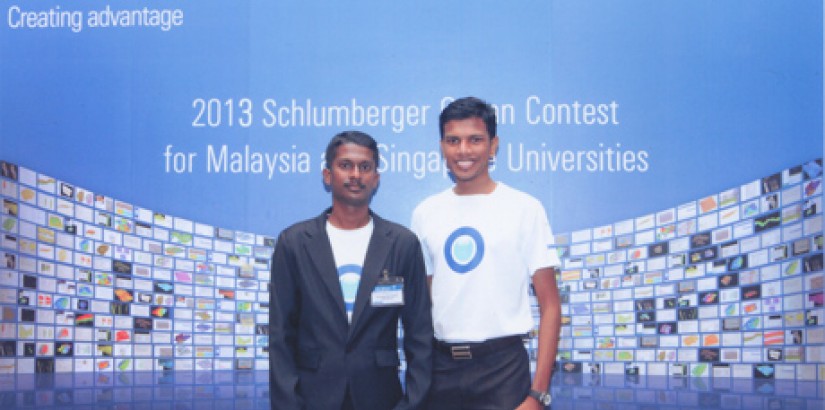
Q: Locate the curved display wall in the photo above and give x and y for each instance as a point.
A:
(728, 285)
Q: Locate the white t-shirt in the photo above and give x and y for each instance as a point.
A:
(349, 248)
(481, 251)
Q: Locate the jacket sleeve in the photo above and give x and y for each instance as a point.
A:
(284, 309)
(416, 319)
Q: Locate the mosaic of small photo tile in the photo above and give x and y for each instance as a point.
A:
(89, 283)
(730, 285)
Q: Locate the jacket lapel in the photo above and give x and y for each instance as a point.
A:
(320, 253)
(377, 253)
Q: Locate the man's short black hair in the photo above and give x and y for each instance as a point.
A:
(469, 107)
(351, 137)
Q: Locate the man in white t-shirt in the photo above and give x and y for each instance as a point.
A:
(340, 283)
(484, 244)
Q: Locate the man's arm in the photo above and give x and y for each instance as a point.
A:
(416, 319)
(547, 295)
(283, 310)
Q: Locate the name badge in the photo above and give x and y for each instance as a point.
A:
(389, 291)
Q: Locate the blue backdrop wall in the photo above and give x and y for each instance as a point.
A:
(187, 134)
(692, 97)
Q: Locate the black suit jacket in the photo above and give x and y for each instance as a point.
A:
(315, 354)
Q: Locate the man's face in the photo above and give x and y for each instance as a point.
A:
(467, 148)
(352, 176)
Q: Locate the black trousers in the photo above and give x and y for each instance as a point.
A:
(499, 379)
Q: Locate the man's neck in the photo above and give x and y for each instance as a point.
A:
(485, 186)
(344, 217)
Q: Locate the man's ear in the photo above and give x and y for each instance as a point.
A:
(327, 176)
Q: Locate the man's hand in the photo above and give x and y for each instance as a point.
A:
(530, 404)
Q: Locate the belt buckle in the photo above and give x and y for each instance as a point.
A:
(461, 352)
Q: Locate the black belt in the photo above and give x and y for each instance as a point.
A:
(465, 351)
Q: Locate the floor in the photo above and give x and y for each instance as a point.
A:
(657, 392)
(249, 390)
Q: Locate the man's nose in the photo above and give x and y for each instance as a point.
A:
(462, 146)
(354, 173)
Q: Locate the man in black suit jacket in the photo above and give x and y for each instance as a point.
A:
(340, 283)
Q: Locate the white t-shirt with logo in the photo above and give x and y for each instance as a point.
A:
(349, 248)
(481, 251)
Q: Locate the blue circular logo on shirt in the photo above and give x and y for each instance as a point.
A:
(464, 249)
(350, 276)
